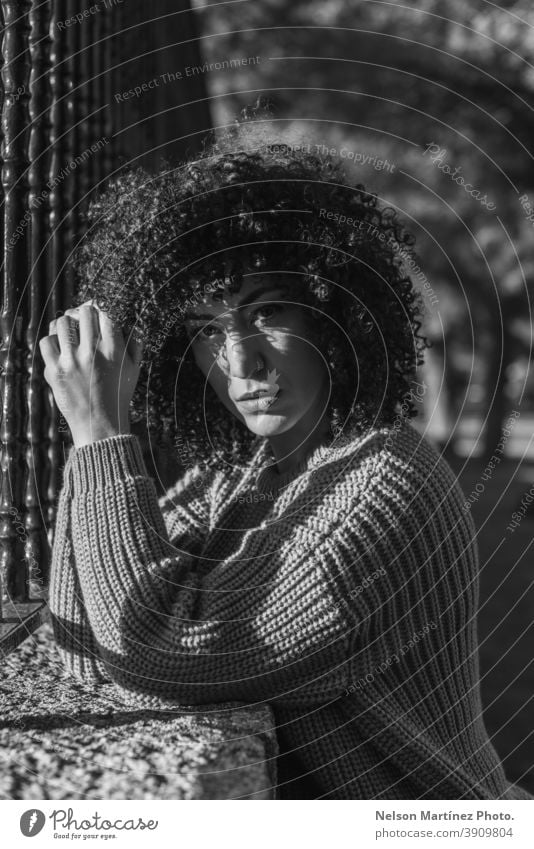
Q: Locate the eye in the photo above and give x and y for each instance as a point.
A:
(266, 311)
(209, 331)
(199, 332)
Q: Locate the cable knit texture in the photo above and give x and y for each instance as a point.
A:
(343, 593)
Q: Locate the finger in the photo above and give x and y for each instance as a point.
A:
(89, 330)
(49, 349)
(112, 337)
(67, 333)
(74, 310)
(89, 325)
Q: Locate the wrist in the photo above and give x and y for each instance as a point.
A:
(97, 431)
(103, 464)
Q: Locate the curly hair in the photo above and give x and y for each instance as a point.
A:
(249, 203)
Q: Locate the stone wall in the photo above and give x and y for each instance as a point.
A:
(65, 740)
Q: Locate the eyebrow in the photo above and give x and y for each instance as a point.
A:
(244, 303)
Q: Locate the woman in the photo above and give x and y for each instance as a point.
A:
(315, 555)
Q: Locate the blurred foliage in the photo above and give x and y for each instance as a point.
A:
(388, 79)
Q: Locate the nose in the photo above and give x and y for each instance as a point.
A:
(240, 355)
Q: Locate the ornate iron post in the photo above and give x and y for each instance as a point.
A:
(15, 277)
(63, 125)
(60, 281)
(37, 399)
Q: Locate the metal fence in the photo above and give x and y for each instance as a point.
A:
(68, 122)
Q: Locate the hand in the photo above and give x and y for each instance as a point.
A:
(91, 372)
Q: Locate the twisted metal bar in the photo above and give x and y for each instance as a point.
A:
(13, 320)
(58, 434)
(110, 53)
(37, 549)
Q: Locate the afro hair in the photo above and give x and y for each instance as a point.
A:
(253, 201)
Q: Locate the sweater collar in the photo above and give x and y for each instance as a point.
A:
(262, 472)
(269, 480)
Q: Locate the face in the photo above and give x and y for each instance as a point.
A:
(255, 348)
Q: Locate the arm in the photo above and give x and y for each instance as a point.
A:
(185, 512)
(72, 631)
(257, 629)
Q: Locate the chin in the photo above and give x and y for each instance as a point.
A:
(263, 424)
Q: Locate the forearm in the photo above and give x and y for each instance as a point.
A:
(72, 631)
(123, 555)
(171, 632)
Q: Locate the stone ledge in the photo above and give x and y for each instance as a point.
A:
(61, 739)
(18, 620)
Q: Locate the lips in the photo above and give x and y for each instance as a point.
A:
(257, 401)
(259, 393)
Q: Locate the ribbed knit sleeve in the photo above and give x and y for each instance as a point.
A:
(185, 516)
(265, 627)
(72, 631)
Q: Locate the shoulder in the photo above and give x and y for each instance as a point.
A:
(393, 452)
(391, 470)
(394, 503)
(410, 462)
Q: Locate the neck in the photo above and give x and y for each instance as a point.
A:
(292, 448)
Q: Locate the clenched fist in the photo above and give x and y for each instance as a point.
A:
(91, 372)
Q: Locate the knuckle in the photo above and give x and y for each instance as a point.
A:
(85, 359)
(51, 373)
(67, 362)
(43, 347)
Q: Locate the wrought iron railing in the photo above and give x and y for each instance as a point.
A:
(65, 127)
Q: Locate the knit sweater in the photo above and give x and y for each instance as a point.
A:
(343, 593)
